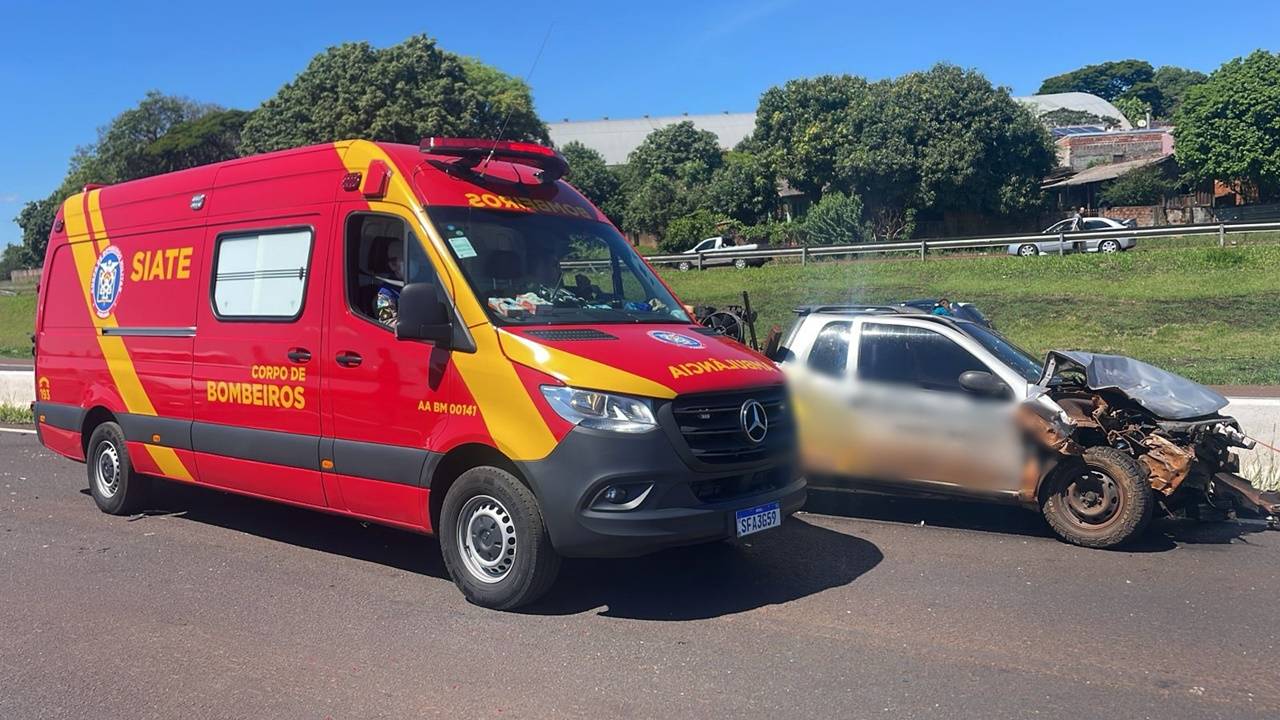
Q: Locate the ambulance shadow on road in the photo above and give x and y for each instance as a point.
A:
(1163, 534)
(776, 566)
(706, 581)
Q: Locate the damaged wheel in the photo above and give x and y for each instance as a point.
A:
(1108, 502)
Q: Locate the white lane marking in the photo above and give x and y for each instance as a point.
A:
(18, 431)
(1255, 401)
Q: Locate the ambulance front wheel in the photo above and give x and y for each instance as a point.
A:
(115, 487)
(494, 541)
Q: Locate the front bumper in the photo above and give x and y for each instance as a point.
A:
(683, 507)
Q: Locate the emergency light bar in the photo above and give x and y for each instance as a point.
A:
(550, 164)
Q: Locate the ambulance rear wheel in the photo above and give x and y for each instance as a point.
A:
(494, 541)
(115, 487)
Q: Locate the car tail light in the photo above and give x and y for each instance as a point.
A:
(550, 164)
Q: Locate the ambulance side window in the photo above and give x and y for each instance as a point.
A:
(372, 244)
(261, 275)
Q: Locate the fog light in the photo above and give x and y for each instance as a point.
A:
(616, 495)
(621, 497)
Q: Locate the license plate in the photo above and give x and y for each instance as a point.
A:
(761, 517)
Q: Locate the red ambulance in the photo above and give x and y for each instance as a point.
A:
(446, 338)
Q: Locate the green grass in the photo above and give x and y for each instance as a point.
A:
(1208, 313)
(17, 321)
(15, 415)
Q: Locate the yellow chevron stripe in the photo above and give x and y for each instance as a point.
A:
(119, 364)
(578, 370)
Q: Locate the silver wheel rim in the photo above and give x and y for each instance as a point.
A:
(1027, 250)
(740, 264)
(486, 539)
(683, 266)
(106, 474)
(1110, 246)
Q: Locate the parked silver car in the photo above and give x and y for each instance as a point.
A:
(1061, 232)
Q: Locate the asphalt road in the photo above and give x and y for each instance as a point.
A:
(216, 606)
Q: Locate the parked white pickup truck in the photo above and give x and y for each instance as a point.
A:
(709, 249)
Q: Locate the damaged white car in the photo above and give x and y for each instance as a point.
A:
(891, 399)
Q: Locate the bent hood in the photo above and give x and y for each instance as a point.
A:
(1165, 394)
(648, 360)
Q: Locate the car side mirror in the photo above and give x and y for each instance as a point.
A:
(423, 315)
(980, 382)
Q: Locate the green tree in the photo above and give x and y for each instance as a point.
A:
(651, 205)
(744, 188)
(680, 151)
(1145, 186)
(36, 221)
(836, 219)
(1228, 127)
(211, 138)
(401, 93)
(686, 231)
(589, 173)
(944, 139)
(1134, 109)
(13, 258)
(1063, 117)
(1108, 80)
(1174, 83)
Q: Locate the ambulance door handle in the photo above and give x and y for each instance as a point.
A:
(348, 359)
(299, 355)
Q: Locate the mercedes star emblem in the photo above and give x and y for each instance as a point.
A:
(754, 421)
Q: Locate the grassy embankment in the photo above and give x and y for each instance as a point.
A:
(1208, 313)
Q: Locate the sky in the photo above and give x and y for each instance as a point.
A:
(70, 66)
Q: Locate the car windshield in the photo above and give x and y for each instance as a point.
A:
(536, 269)
(1015, 357)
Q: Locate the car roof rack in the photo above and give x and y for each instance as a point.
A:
(852, 308)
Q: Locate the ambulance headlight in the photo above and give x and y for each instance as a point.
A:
(602, 411)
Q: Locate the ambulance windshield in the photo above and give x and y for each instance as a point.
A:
(539, 269)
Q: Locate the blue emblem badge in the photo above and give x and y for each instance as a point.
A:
(674, 338)
(108, 277)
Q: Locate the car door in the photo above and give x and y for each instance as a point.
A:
(821, 393)
(915, 423)
(383, 397)
(256, 401)
(1058, 232)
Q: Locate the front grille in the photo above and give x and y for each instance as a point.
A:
(712, 429)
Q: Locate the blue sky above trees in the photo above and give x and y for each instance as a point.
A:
(69, 67)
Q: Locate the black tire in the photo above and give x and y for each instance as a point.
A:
(1109, 247)
(502, 519)
(115, 487)
(740, 263)
(684, 266)
(1028, 250)
(1105, 505)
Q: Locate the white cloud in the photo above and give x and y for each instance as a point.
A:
(7, 198)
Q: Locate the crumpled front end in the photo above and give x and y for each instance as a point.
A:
(1171, 425)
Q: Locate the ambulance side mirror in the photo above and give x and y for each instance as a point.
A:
(423, 315)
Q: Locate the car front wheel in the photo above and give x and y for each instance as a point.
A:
(1028, 250)
(684, 266)
(114, 485)
(1105, 503)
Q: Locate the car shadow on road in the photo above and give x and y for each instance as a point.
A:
(1163, 534)
(311, 529)
(716, 579)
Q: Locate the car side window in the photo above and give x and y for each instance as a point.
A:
(1096, 225)
(261, 275)
(917, 357)
(381, 256)
(1061, 226)
(830, 352)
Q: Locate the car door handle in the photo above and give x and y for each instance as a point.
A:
(347, 358)
(299, 355)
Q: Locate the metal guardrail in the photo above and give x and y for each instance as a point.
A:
(923, 246)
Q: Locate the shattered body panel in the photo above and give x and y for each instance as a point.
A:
(1164, 394)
